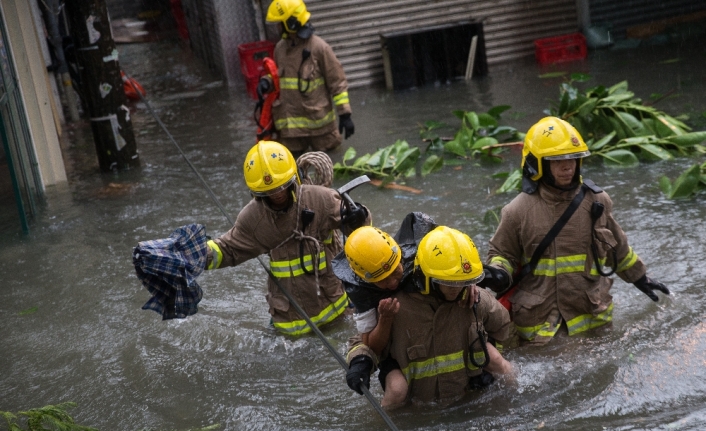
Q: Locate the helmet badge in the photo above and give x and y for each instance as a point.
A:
(548, 131)
(574, 141)
(267, 178)
(466, 266)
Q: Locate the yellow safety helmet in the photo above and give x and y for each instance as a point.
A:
(372, 254)
(269, 167)
(291, 13)
(551, 138)
(448, 256)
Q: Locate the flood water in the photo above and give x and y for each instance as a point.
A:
(72, 328)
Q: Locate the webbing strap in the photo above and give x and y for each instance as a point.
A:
(553, 232)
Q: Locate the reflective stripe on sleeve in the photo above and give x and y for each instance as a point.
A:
(504, 262)
(628, 261)
(328, 314)
(340, 99)
(216, 253)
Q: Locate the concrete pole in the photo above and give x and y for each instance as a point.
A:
(102, 84)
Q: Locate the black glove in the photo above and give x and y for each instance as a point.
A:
(359, 373)
(263, 87)
(647, 285)
(345, 122)
(354, 218)
(495, 279)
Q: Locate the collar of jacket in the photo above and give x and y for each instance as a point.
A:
(552, 194)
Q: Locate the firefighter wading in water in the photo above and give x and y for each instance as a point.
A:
(296, 225)
(442, 347)
(313, 86)
(570, 285)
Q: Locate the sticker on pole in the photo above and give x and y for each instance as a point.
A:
(112, 57)
(93, 34)
(104, 88)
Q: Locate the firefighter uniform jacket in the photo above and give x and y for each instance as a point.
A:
(259, 229)
(310, 86)
(432, 339)
(565, 285)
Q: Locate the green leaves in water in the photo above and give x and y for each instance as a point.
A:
(686, 185)
(479, 135)
(616, 126)
(51, 417)
(622, 130)
(398, 160)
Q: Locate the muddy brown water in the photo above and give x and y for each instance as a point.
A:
(72, 328)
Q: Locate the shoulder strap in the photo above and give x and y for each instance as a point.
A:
(553, 232)
(591, 185)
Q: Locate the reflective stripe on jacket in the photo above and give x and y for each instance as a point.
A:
(312, 91)
(565, 285)
(431, 341)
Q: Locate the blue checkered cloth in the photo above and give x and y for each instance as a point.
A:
(168, 269)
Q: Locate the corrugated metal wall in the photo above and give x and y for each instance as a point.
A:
(353, 27)
(626, 13)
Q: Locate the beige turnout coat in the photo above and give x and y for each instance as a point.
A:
(431, 340)
(258, 229)
(565, 285)
(324, 89)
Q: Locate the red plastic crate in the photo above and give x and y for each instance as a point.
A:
(251, 56)
(560, 48)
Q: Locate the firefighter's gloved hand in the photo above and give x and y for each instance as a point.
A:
(359, 373)
(495, 279)
(345, 123)
(354, 218)
(648, 286)
(263, 86)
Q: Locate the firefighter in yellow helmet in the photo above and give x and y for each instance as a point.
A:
(373, 267)
(295, 224)
(564, 278)
(313, 86)
(442, 348)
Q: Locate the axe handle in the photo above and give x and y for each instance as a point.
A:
(349, 202)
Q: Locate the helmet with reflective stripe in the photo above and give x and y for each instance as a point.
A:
(551, 138)
(372, 254)
(291, 13)
(269, 168)
(448, 256)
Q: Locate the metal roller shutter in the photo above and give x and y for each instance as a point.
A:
(353, 27)
(626, 13)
